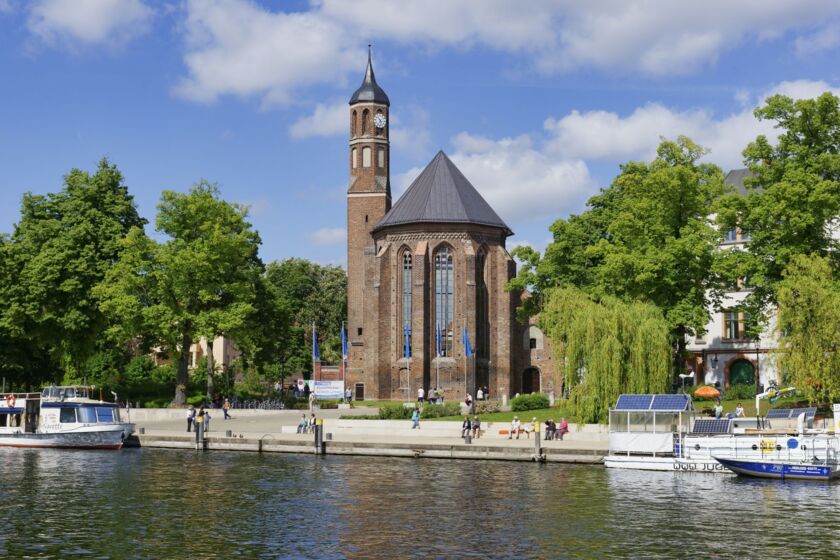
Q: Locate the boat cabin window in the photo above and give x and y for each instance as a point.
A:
(86, 415)
(69, 393)
(68, 415)
(105, 414)
(3, 420)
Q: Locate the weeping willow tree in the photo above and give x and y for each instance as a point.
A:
(809, 322)
(605, 348)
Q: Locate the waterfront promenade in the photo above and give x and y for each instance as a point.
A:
(275, 431)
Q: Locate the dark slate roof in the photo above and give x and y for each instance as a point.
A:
(736, 179)
(441, 194)
(370, 90)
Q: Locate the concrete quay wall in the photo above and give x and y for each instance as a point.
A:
(271, 443)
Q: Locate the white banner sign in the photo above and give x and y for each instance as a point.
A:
(328, 389)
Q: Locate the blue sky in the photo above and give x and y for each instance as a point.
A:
(538, 103)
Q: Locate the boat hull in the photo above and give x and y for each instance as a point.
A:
(779, 470)
(111, 438)
(675, 464)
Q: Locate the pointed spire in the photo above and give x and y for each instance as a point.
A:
(370, 91)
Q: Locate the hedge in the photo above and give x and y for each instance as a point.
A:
(529, 402)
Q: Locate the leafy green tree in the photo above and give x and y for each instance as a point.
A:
(793, 200)
(199, 282)
(604, 348)
(316, 295)
(809, 322)
(60, 249)
(647, 238)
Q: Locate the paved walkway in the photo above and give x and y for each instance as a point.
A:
(271, 424)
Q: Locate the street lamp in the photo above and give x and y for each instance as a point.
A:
(757, 342)
(685, 376)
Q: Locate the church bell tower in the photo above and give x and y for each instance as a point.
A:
(368, 200)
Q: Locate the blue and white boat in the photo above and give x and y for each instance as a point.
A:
(61, 417)
(781, 470)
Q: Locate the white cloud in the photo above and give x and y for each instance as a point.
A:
(328, 236)
(234, 47)
(6, 6)
(824, 39)
(237, 47)
(603, 135)
(88, 22)
(325, 120)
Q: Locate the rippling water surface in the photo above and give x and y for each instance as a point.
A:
(183, 504)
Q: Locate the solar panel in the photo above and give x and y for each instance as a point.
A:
(778, 413)
(670, 402)
(809, 412)
(712, 426)
(633, 402)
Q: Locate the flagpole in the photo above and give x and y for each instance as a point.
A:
(343, 360)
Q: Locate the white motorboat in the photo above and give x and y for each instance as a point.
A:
(61, 417)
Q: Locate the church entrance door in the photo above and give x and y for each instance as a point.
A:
(531, 381)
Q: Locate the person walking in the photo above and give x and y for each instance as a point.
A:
(479, 396)
(415, 418)
(348, 395)
(206, 421)
(311, 399)
(466, 426)
(476, 428)
(190, 417)
(226, 409)
(420, 394)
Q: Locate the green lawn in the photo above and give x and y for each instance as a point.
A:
(541, 414)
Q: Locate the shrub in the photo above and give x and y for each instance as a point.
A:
(395, 411)
(487, 407)
(529, 402)
(441, 410)
(740, 392)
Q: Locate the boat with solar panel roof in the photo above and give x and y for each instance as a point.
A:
(665, 433)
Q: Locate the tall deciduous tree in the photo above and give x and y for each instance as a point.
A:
(605, 348)
(793, 203)
(200, 282)
(314, 294)
(60, 249)
(809, 323)
(648, 237)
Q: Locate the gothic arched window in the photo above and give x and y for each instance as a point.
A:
(353, 124)
(444, 299)
(482, 318)
(406, 296)
(355, 153)
(380, 158)
(365, 118)
(366, 157)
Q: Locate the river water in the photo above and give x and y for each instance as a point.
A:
(184, 504)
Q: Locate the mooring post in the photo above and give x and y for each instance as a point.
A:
(199, 436)
(537, 443)
(319, 436)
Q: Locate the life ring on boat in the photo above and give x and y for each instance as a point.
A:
(11, 401)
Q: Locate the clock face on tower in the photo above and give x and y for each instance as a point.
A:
(379, 120)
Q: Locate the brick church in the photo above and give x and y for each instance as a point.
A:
(423, 269)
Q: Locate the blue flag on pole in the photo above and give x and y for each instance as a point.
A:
(343, 342)
(316, 354)
(438, 339)
(467, 349)
(407, 341)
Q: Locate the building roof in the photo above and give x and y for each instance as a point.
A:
(441, 194)
(369, 91)
(736, 179)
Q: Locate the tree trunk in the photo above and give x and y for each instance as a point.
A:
(182, 376)
(679, 356)
(211, 368)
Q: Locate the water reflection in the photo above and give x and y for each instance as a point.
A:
(176, 504)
